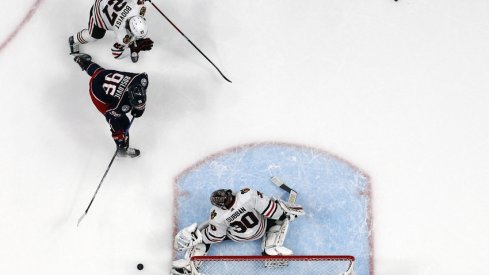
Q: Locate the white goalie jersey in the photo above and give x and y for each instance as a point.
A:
(245, 221)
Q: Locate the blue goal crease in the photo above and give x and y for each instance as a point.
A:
(334, 194)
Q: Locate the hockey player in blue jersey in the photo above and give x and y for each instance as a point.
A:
(114, 94)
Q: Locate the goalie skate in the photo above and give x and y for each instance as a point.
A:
(129, 152)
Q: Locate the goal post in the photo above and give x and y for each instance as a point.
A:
(256, 265)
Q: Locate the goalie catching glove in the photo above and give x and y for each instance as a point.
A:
(291, 211)
(187, 238)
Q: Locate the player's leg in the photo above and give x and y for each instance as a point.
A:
(272, 243)
(85, 36)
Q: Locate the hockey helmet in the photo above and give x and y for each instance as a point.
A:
(137, 91)
(222, 198)
(137, 26)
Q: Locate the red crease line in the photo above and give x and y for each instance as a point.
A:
(22, 24)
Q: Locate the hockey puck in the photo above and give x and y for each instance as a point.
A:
(140, 266)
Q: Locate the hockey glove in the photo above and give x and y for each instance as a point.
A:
(83, 60)
(291, 211)
(187, 238)
(144, 44)
(121, 139)
(136, 112)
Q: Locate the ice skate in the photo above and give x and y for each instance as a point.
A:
(129, 152)
(74, 47)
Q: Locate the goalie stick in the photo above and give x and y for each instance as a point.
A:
(292, 193)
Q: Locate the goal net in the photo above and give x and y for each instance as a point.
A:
(256, 265)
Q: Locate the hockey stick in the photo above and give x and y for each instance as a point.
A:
(292, 193)
(102, 180)
(189, 41)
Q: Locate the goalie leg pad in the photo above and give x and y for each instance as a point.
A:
(273, 240)
(185, 265)
(198, 250)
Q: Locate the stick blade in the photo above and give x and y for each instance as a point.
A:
(80, 219)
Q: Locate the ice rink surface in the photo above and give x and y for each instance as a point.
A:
(397, 89)
(335, 197)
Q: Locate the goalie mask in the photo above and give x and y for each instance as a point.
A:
(137, 26)
(222, 198)
(137, 92)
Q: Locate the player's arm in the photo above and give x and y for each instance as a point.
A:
(119, 50)
(275, 209)
(213, 234)
(118, 125)
(264, 205)
(86, 64)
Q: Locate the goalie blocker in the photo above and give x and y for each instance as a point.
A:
(243, 216)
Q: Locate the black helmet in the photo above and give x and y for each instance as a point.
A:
(137, 91)
(222, 198)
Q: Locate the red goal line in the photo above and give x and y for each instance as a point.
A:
(276, 258)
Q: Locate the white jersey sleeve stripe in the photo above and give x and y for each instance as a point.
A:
(98, 16)
(90, 25)
(209, 238)
(270, 210)
(266, 208)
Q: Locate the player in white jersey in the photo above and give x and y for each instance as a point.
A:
(243, 216)
(125, 18)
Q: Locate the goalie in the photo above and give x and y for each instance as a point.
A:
(247, 215)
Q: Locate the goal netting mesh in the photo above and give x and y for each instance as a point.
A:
(255, 265)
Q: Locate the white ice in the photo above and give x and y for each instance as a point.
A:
(399, 89)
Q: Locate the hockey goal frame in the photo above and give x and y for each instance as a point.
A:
(291, 258)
